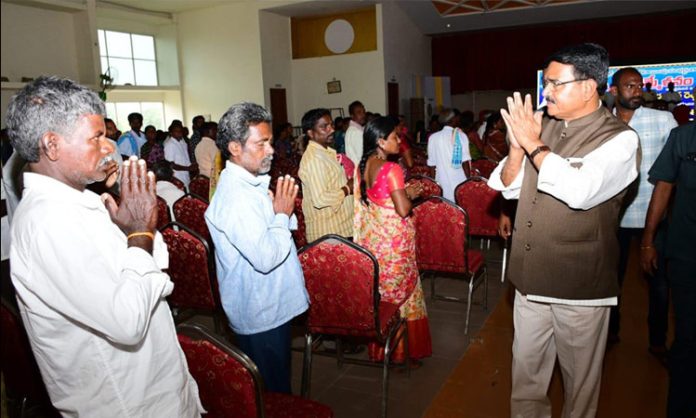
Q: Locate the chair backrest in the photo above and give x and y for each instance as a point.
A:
(191, 269)
(422, 170)
(481, 203)
(430, 186)
(190, 211)
(441, 236)
(300, 235)
(342, 279)
(229, 383)
(483, 167)
(164, 214)
(178, 183)
(200, 186)
(21, 373)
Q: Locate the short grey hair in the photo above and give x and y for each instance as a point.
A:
(48, 104)
(234, 124)
(445, 116)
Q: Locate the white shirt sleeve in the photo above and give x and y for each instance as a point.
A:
(354, 145)
(583, 183)
(512, 191)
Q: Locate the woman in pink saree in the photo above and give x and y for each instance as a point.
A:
(383, 226)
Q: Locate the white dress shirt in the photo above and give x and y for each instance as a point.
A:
(170, 193)
(94, 309)
(581, 183)
(440, 149)
(354, 142)
(177, 152)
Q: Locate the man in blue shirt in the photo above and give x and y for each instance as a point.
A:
(260, 277)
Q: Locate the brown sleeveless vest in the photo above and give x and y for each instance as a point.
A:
(561, 252)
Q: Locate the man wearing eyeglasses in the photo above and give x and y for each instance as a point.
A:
(569, 167)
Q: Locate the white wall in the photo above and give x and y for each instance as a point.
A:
(220, 52)
(37, 41)
(489, 99)
(276, 55)
(407, 52)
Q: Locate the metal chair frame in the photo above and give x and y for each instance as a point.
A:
(474, 278)
(390, 340)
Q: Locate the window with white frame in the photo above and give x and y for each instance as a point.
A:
(128, 58)
(153, 114)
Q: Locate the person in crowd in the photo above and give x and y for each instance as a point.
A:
(196, 124)
(420, 133)
(259, 274)
(405, 153)
(339, 142)
(570, 173)
(87, 270)
(165, 188)
(675, 168)
(673, 98)
(448, 152)
(282, 141)
(483, 118)
(327, 203)
(354, 133)
(131, 142)
(383, 225)
(495, 145)
(112, 135)
(152, 151)
(468, 126)
(649, 95)
(433, 126)
(176, 151)
(207, 151)
(653, 127)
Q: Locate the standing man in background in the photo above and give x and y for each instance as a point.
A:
(354, 133)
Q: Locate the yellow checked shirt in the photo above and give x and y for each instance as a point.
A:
(326, 209)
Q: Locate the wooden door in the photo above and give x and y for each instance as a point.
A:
(279, 108)
(393, 99)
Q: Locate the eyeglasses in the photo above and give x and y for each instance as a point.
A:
(556, 84)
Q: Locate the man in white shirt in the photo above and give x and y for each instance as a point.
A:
(569, 171)
(130, 142)
(87, 271)
(354, 134)
(176, 151)
(673, 98)
(448, 152)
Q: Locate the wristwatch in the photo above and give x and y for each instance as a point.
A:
(539, 149)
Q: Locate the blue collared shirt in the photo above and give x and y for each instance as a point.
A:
(653, 127)
(259, 275)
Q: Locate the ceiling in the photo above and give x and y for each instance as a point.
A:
(434, 17)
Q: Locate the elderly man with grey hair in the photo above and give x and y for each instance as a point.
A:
(260, 277)
(87, 270)
(448, 152)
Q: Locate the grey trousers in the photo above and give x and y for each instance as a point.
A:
(577, 336)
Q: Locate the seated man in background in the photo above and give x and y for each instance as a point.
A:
(87, 271)
(259, 274)
(326, 192)
(165, 188)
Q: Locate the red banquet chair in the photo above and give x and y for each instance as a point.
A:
(230, 385)
(300, 234)
(442, 238)
(192, 270)
(483, 167)
(200, 186)
(422, 170)
(164, 214)
(482, 204)
(430, 186)
(24, 388)
(190, 211)
(342, 279)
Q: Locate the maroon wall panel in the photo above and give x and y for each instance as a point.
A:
(506, 59)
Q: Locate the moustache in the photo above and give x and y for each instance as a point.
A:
(549, 100)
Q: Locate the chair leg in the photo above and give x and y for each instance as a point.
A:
(485, 289)
(432, 287)
(339, 352)
(385, 376)
(307, 366)
(408, 352)
(468, 305)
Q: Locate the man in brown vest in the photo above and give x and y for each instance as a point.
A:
(569, 169)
